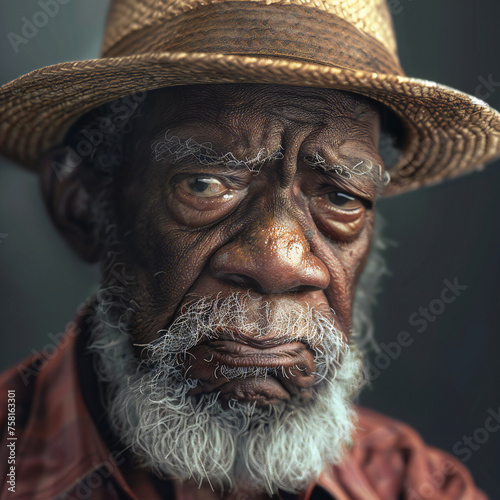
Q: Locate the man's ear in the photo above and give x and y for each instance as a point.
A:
(68, 201)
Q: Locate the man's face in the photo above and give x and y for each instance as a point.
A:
(280, 225)
(244, 218)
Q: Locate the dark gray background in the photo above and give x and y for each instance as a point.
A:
(447, 380)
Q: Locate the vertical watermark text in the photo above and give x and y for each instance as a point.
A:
(11, 440)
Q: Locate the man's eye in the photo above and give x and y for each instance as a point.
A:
(344, 201)
(203, 187)
(200, 199)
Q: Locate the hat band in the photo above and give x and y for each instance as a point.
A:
(255, 29)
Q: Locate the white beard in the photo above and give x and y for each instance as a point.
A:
(284, 446)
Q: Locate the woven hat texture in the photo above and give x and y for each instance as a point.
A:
(340, 44)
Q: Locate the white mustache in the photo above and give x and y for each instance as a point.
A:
(271, 323)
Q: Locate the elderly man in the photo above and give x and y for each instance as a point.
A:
(222, 164)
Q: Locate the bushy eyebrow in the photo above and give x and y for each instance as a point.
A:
(175, 149)
(352, 168)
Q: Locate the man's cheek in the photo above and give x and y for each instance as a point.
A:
(340, 294)
(174, 267)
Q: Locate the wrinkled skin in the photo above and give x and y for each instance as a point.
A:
(285, 233)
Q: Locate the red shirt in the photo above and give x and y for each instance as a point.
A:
(56, 450)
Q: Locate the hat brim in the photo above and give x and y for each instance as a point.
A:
(447, 132)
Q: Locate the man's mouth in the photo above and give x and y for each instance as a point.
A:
(248, 370)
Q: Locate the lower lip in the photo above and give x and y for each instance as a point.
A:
(263, 390)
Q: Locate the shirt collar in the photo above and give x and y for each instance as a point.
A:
(60, 444)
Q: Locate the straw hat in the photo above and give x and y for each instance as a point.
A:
(341, 44)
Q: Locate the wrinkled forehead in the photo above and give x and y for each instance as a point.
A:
(246, 117)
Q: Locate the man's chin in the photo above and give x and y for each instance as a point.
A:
(258, 390)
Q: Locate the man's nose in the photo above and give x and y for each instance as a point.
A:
(273, 258)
